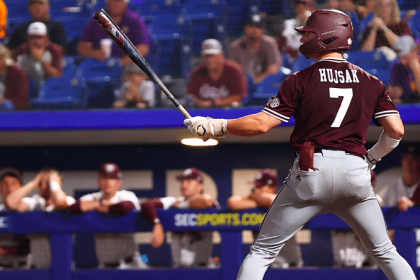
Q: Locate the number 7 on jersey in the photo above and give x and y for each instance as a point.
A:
(347, 94)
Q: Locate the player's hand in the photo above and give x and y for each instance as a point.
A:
(158, 236)
(371, 161)
(404, 203)
(207, 127)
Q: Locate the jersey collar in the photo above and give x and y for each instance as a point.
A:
(331, 59)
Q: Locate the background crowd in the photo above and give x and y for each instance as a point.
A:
(208, 53)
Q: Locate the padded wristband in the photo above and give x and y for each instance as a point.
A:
(384, 145)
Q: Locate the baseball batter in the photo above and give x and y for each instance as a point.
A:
(332, 102)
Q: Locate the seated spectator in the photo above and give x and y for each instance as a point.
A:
(40, 58)
(385, 27)
(137, 91)
(51, 197)
(289, 39)
(114, 250)
(40, 11)
(129, 21)
(257, 53)
(3, 19)
(217, 82)
(14, 247)
(189, 249)
(13, 95)
(404, 84)
(262, 196)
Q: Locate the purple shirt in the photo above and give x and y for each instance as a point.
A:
(133, 26)
(333, 102)
(403, 77)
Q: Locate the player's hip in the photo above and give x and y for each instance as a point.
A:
(333, 172)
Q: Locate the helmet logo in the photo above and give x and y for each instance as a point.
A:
(349, 41)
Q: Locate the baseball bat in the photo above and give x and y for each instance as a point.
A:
(121, 39)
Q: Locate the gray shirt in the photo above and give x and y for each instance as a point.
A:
(255, 62)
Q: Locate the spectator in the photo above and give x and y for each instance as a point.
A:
(189, 249)
(40, 58)
(404, 84)
(14, 247)
(385, 27)
(40, 11)
(129, 21)
(137, 91)
(289, 39)
(51, 197)
(262, 196)
(217, 82)
(400, 191)
(114, 250)
(13, 95)
(3, 19)
(257, 53)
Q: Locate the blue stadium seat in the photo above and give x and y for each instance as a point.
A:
(368, 59)
(268, 87)
(69, 67)
(301, 63)
(102, 78)
(152, 8)
(174, 35)
(414, 23)
(61, 93)
(208, 19)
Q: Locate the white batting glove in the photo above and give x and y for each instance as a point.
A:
(371, 161)
(207, 127)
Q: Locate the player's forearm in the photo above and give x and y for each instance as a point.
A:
(263, 199)
(389, 138)
(89, 205)
(238, 203)
(252, 125)
(59, 199)
(14, 200)
(201, 202)
(51, 70)
(86, 50)
(272, 69)
(391, 37)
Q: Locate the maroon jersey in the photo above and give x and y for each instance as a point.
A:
(231, 82)
(333, 102)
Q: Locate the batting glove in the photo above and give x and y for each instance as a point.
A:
(371, 161)
(207, 127)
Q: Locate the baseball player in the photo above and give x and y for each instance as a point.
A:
(262, 196)
(333, 102)
(51, 197)
(114, 250)
(189, 249)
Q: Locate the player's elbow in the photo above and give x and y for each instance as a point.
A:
(233, 203)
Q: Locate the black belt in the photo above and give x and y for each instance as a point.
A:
(12, 265)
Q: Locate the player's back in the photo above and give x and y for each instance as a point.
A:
(336, 101)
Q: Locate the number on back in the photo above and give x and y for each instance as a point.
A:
(347, 94)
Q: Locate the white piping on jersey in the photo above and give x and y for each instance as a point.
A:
(386, 114)
(333, 59)
(276, 115)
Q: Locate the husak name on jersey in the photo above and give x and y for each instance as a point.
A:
(338, 76)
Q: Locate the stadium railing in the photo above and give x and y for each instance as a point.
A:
(61, 225)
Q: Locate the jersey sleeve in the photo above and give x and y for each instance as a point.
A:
(284, 104)
(36, 202)
(384, 107)
(130, 196)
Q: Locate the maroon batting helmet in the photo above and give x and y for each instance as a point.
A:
(334, 31)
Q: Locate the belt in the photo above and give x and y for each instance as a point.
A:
(13, 265)
(347, 153)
